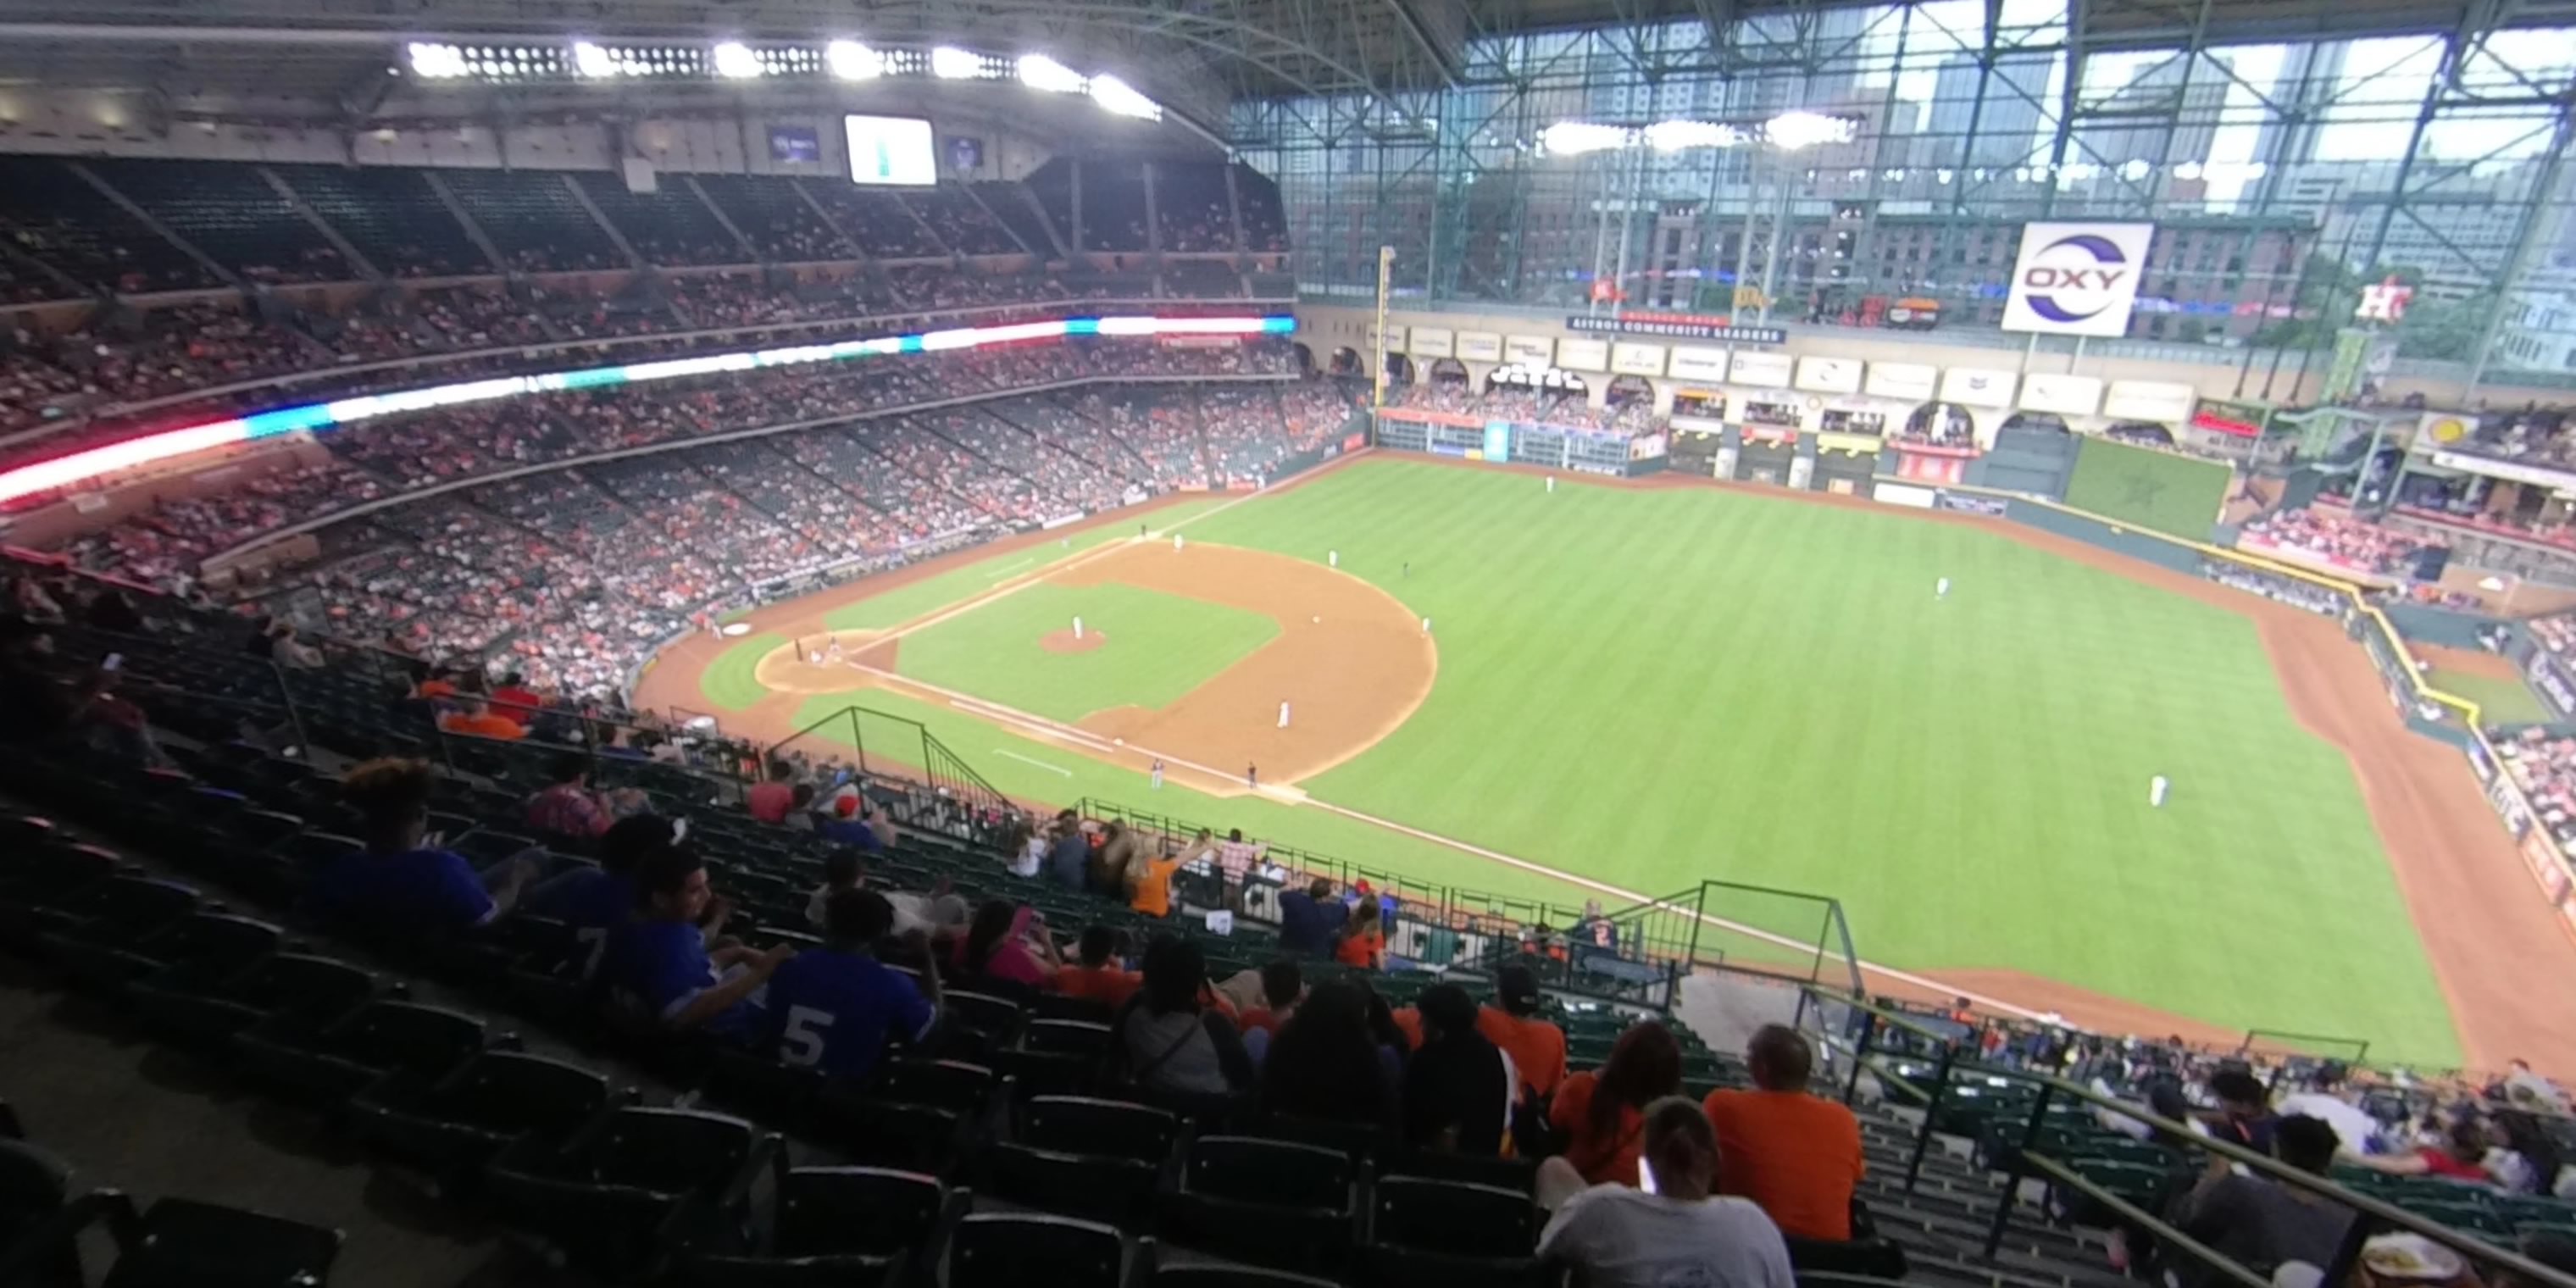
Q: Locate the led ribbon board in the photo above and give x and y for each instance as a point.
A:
(75, 468)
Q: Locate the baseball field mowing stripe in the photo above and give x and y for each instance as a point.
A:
(729, 683)
(1146, 648)
(1663, 686)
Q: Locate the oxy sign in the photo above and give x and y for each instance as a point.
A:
(2077, 279)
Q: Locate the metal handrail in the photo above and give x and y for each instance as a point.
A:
(2264, 1165)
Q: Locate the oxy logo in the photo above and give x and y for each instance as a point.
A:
(2071, 284)
(2077, 279)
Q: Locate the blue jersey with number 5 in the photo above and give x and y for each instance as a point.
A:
(832, 1010)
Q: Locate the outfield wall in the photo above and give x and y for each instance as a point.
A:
(2424, 709)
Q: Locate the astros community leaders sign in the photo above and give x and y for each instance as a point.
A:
(2077, 279)
(1681, 326)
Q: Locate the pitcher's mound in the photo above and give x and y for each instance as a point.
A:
(1064, 641)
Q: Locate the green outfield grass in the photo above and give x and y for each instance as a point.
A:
(903, 603)
(1159, 646)
(2500, 700)
(1651, 688)
(727, 683)
(2176, 495)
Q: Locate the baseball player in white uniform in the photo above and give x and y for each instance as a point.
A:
(2156, 791)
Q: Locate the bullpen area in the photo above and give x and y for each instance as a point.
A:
(1626, 689)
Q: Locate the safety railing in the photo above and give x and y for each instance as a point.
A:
(2016, 1147)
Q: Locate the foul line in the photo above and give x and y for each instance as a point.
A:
(1027, 760)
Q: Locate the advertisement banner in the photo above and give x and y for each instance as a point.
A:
(2156, 401)
(1963, 503)
(1429, 416)
(1498, 440)
(2546, 867)
(2550, 680)
(2436, 430)
(1857, 444)
(2519, 473)
(1904, 381)
(2064, 395)
(1583, 355)
(2343, 370)
(1394, 336)
(1646, 447)
(2077, 279)
(1629, 358)
(1904, 494)
(1829, 375)
(1529, 350)
(1698, 364)
(1760, 370)
(1679, 326)
(1978, 387)
(1480, 346)
(1432, 342)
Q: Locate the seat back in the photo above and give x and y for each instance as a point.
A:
(408, 1036)
(942, 1084)
(876, 1211)
(668, 1151)
(1084, 1125)
(1453, 1216)
(1082, 1038)
(1273, 1173)
(509, 1092)
(1211, 1274)
(997, 1018)
(1013, 1250)
(186, 1244)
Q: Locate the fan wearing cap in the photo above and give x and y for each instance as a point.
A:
(848, 824)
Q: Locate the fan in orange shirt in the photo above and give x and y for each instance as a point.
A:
(1603, 1113)
(479, 719)
(1793, 1152)
(1096, 973)
(1363, 943)
(1512, 1022)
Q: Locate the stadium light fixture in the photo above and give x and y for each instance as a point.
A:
(1037, 71)
(431, 61)
(1118, 98)
(592, 61)
(850, 60)
(948, 62)
(1796, 130)
(735, 61)
(1574, 138)
(1673, 136)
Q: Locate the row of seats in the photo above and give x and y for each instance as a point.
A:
(45, 1212)
(258, 220)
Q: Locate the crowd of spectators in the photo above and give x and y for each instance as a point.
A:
(2338, 539)
(575, 575)
(1533, 406)
(190, 349)
(2545, 766)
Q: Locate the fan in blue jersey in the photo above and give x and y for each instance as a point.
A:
(588, 900)
(402, 884)
(658, 964)
(834, 1008)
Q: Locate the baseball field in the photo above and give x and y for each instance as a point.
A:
(1635, 688)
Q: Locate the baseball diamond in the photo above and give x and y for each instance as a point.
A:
(1638, 686)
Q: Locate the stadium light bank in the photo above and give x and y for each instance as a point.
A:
(108, 460)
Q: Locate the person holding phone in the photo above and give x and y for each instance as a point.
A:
(1671, 1228)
